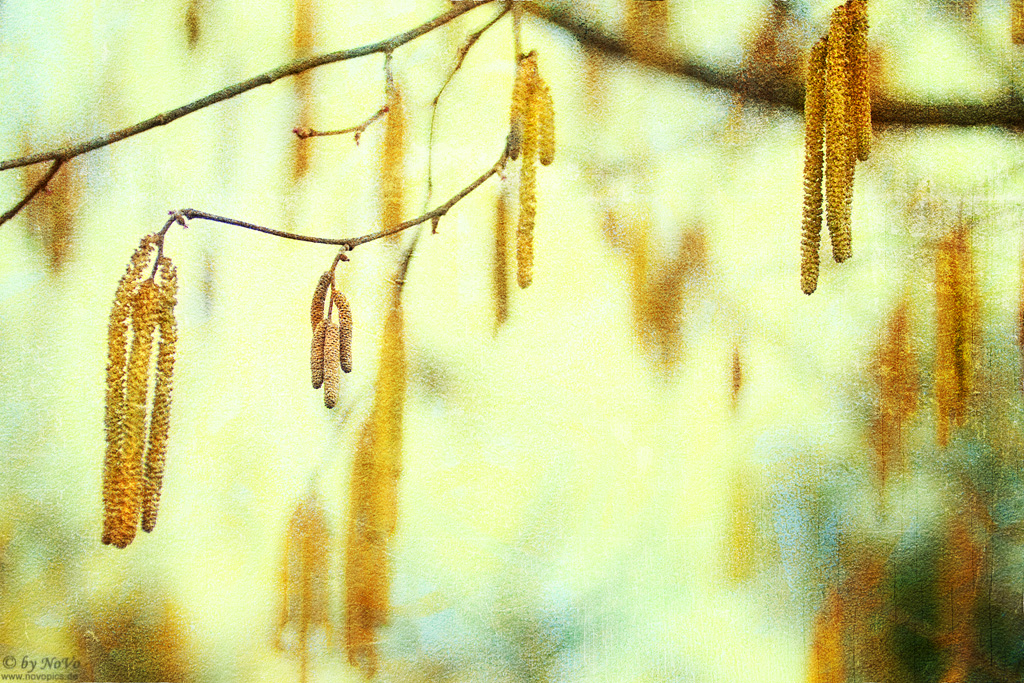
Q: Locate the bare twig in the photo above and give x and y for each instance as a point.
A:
(348, 243)
(296, 67)
(36, 189)
(303, 133)
(463, 52)
(1008, 110)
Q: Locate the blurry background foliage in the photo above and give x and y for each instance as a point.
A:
(662, 462)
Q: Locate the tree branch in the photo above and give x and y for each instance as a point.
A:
(36, 189)
(348, 243)
(296, 67)
(1006, 111)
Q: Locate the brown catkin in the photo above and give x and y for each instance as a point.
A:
(839, 143)
(127, 495)
(814, 122)
(545, 122)
(860, 86)
(1017, 21)
(316, 308)
(159, 421)
(117, 366)
(316, 360)
(332, 364)
(345, 325)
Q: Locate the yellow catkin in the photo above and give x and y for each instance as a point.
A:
(545, 123)
(839, 142)
(316, 354)
(956, 310)
(814, 122)
(373, 507)
(500, 271)
(527, 179)
(1017, 21)
(316, 307)
(332, 364)
(117, 366)
(345, 325)
(522, 90)
(392, 161)
(860, 86)
(127, 494)
(159, 421)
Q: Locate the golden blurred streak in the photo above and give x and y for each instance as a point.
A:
(373, 507)
(305, 577)
(896, 373)
(956, 309)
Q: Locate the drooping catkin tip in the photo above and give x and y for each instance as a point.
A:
(316, 308)
(316, 360)
(345, 325)
(332, 364)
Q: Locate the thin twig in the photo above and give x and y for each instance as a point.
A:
(303, 133)
(349, 243)
(463, 52)
(296, 67)
(36, 189)
(1008, 110)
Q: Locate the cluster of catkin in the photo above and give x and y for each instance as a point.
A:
(136, 424)
(837, 113)
(332, 341)
(533, 136)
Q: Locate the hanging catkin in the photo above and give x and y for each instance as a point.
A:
(332, 364)
(126, 499)
(117, 369)
(392, 161)
(136, 446)
(860, 88)
(814, 118)
(545, 123)
(316, 354)
(345, 329)
(316, 307)
(527, 98)
(159, 421)
(840, 152)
